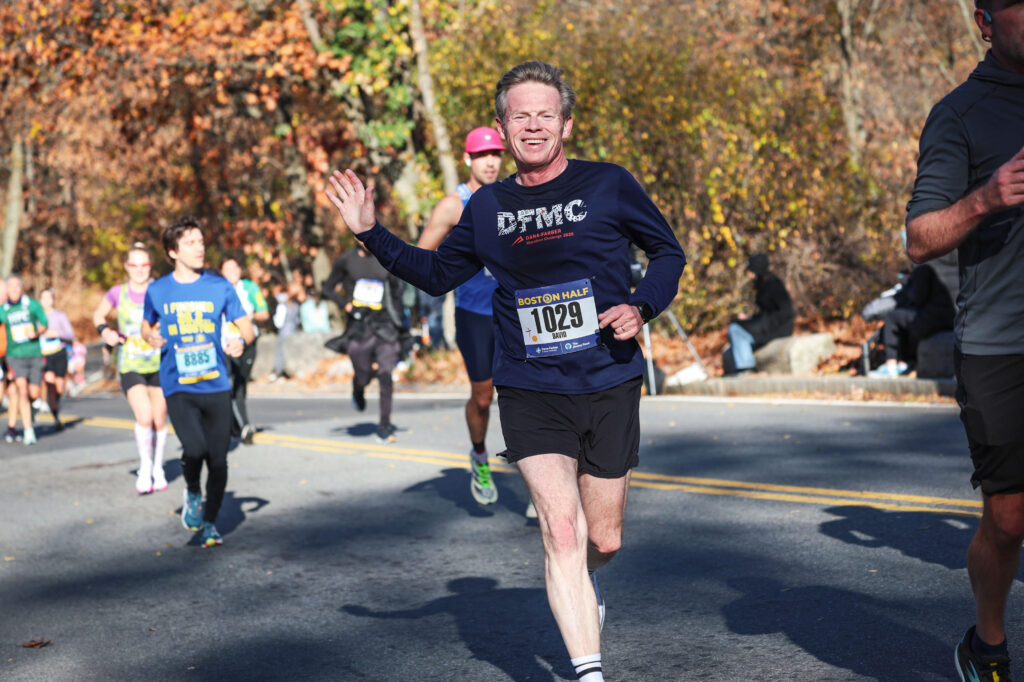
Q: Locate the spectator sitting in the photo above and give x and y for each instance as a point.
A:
(774, 317)
(924, 306)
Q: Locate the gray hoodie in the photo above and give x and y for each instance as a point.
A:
(969, 134)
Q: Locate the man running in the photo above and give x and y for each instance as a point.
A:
(474, 327)
(182, 317)
(969, 196)
(241, 367)
(372, 301)
(556, 236)
(25, 322)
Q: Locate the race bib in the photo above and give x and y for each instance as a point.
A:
(136, 348)
(50, 344)
(558, 319)
(368, 293)
(196, 362)
(22, 332)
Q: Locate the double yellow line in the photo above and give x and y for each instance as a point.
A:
(640, 479)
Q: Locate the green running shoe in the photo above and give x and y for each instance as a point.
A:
(480, 483)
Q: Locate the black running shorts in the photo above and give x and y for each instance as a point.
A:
(990, 391)
(601, 431)
(474, 335)
(56, 363)
(129, 379)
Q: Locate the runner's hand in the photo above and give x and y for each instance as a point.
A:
(1005, 188)
(110, 337)
(156, 339)
(624, 319)
(234, 347)
(353, 201)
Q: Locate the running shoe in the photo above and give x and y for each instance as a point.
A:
(30, 436)
(248, 432)
(974, 668)
(531, 511)
(159, 480)
(192, 510)
(480, 483)
(358, 398)
(211, 538)
(386, 433)
(12, 435)
(600, 599)
(143, 482)
(58, 425)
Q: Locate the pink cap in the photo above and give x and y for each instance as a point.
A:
(483, 139)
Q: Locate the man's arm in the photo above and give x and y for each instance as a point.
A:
(336, 277)
(442, 220)
(935, 234)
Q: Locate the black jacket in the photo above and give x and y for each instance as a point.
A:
(774, 316)
(385, 323)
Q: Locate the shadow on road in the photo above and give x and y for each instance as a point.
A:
(508, 628)
(934, 538)
(453, 486)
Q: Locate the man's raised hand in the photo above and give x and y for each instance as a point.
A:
(353, 201)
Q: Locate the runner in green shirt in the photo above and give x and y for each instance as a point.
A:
(24, 321)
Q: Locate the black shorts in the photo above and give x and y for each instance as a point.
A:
(56, 363)
(601, 431)
(129, 379)
(474, 335)
(990, 391)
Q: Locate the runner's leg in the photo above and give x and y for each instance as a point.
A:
(992, 561)
(553, 485)
(604, 505)
(216, 420)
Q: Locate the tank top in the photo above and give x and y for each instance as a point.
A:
(474, 295)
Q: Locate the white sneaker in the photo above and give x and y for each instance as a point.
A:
(531, 511)
(30, 436)
(144, 481)
(159, 480)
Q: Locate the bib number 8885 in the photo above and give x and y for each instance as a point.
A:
(559, 317)
(197, 359)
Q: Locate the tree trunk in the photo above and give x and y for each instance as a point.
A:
(15, 203)
(426, 85)
(853, 118)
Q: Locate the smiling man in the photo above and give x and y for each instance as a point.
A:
(969, 196)
(568, 376)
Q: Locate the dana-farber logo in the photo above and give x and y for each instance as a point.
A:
(541, 218)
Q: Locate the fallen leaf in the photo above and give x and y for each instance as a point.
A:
(36, 643)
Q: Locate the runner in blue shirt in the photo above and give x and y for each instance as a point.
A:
(182, 317)
(474, 325)
(556, 236)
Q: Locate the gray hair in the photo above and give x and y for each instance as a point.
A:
(534, 71)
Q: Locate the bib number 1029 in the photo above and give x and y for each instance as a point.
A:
(559, 317)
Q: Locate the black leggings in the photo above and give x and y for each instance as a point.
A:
(241, 370)
(363, 352)
(202, 422)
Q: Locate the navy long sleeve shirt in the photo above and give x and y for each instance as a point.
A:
(559, 251)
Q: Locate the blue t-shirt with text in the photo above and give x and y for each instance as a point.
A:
(190, 318)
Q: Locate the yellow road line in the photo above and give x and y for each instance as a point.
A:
(640, 479)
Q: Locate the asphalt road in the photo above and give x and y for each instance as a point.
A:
(764, 541)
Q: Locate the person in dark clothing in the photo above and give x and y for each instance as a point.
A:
(924, 306)
(969, 197)
(372, 300)
(774, 317)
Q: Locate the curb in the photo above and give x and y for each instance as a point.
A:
(845, 386)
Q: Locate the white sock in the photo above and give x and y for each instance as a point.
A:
(144, 443)
(479, 457)
(588, 668)
(158, 450)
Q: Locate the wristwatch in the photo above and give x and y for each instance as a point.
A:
(646, 312)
